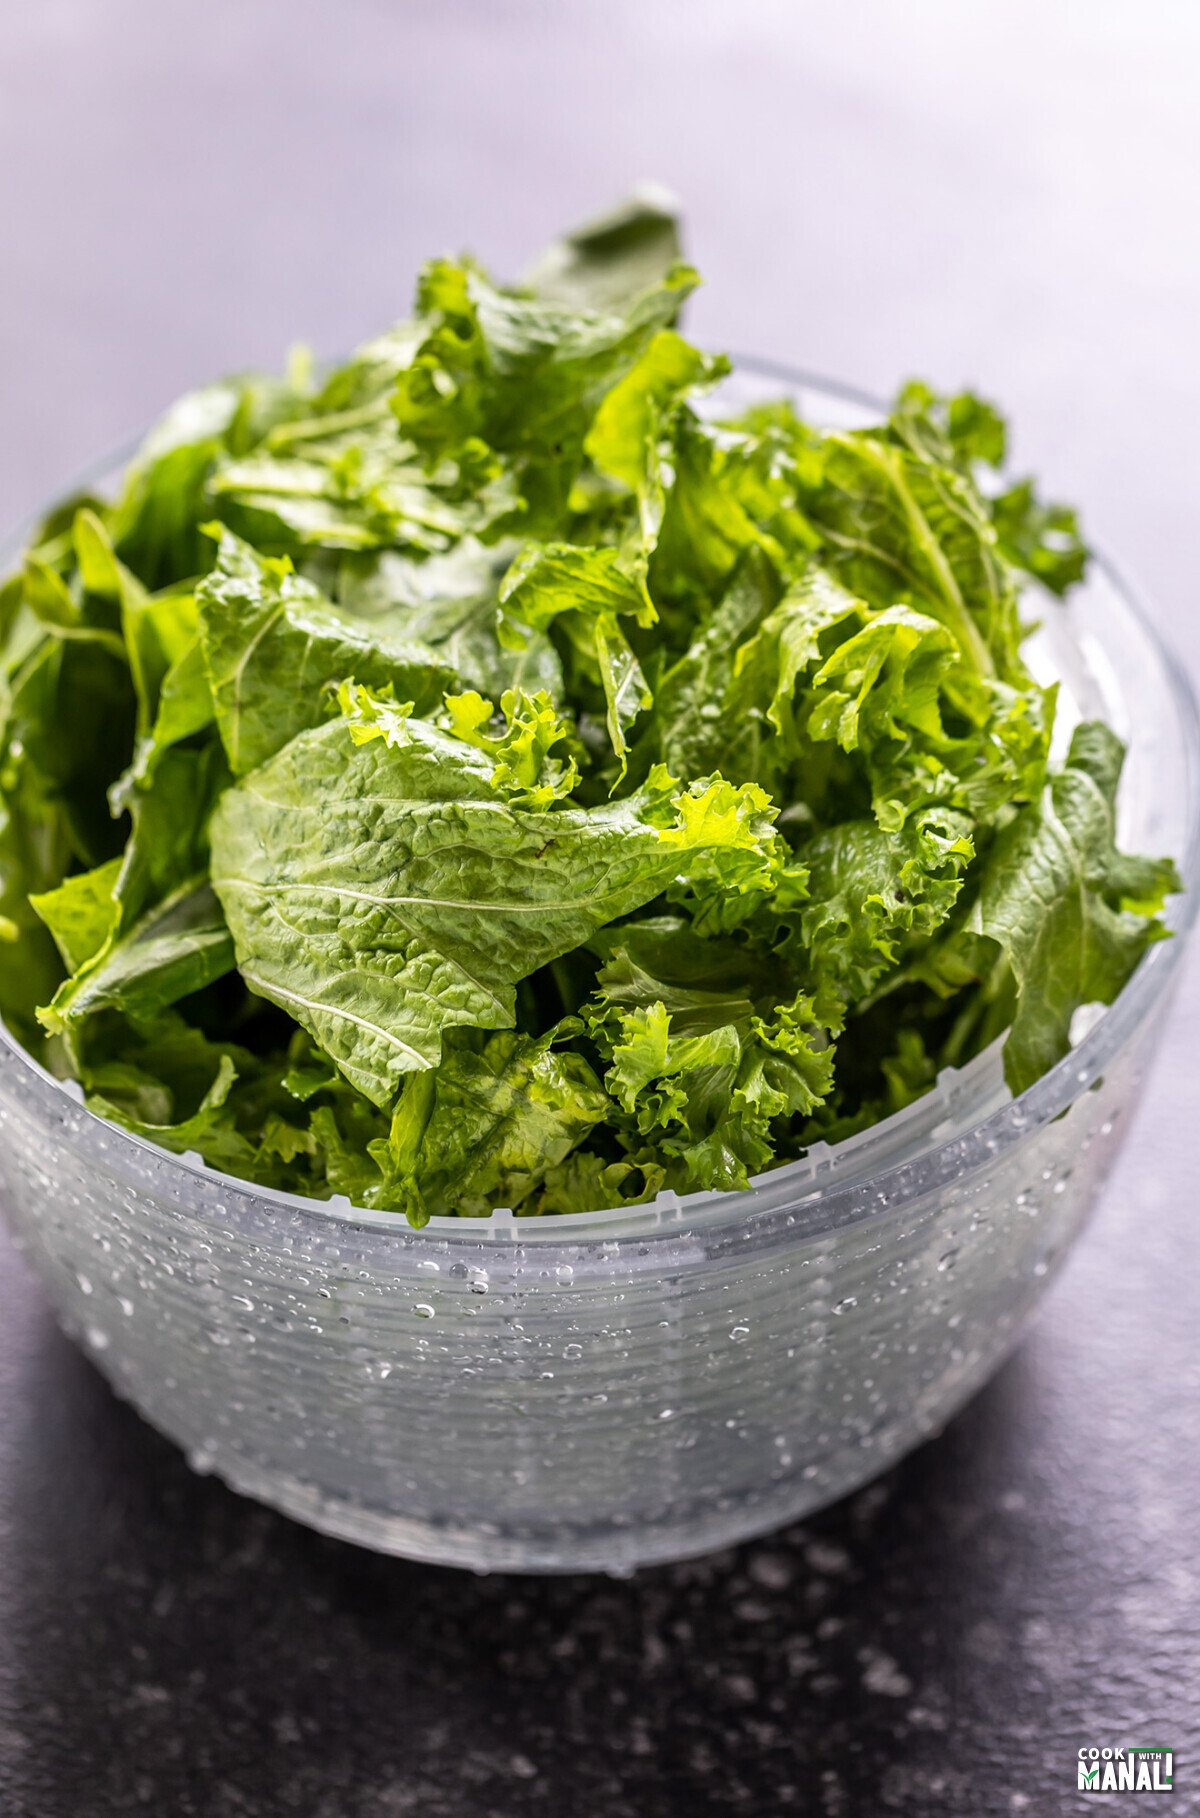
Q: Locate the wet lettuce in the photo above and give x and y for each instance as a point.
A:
(493, 773)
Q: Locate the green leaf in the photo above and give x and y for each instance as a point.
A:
(380, 893)
(520, 745)
(165, 937)
(699, 723)
(61, 610)
(928, 729)
(157, 629)
(522, 375)
(81, 913)
(1045, 540)
(745, 865)
(964, 431)
(706, 527)
(759, 699)
(899, 526)
(370, 492)
(273, 644)
(606, 263)
(1071, 915)
(709, 1101)
(595, 586)
(155, 523)
(70, 724)
(484, 1127)
(873, 892)
(631, 437)
(185, 708)
(626, 691)
(1042, 539)
(167, 1084)
(586, 1182)
(552, 578)
(177, 947)
(33, 856)
(449, 602)
(701, 983)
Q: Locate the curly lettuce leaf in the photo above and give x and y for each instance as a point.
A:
(519, 742)
(487, 1124)
(872, 893)
(378, 891)
(707, 1103)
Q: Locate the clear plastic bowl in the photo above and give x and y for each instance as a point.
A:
(611, 1389)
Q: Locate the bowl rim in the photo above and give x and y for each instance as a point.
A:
(961, 1125)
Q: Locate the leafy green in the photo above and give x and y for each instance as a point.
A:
(449, 602)
(272, 643)
(492, 774)
(872, 893)
(525, 773)
(1066, 908)
(608, 261)
(175, 948)
(487, 1122)
(707, 1103)
(379, 891)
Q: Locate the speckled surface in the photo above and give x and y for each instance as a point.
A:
(183, 188)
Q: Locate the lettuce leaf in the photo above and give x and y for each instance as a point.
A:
(272, 643)
(488, 1121)
(707, 1103)
(379, 892)
(1067, 911)
(607, 262)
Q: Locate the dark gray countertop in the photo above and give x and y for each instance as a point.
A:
(998, 193)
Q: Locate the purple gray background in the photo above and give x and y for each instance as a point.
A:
(1003, 194)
